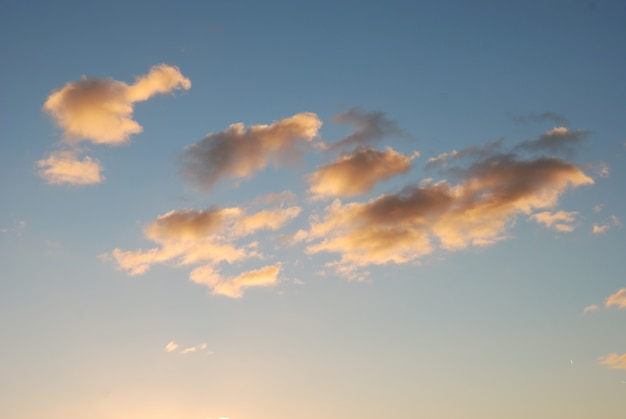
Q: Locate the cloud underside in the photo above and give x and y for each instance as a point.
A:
(358, 172)
(240, 152)
(478, 211)
(66, 167)
(209, 238)
(100, 110)
(614, 361)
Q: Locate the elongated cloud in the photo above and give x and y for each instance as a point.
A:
(358, 172)
(100, 110)
(66, 167)
(480, 151)
(209, 237)
(590, 308)
(234, 286)
(402, 227)
(560, 220)
(543, 117)
(614, 361)
(240, 152)
(371, 127)
(603, 228)
(171, 347)
(618, 299)
(558, 139)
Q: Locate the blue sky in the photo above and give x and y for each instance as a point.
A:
(312, 209)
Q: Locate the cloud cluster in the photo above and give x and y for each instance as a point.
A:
(209, 238)
(240, 152)
(358, 172)
(99, 111)
(401, 227)
(617, 299)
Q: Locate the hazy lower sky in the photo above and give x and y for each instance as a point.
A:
(298, 210)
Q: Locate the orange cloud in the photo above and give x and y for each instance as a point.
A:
(618, 299)
(239, 152)
(590, 308)
(101, 110)
(603, 228)
(614, 361)
(65, 167)
(358, 172)
(190, 237)
(402, 227)
(560, 220)
(233, 286)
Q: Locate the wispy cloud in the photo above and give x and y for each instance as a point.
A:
(614, 361)
(560, 220)
(208, 237)
(590, 308)
(371, 127)
(555, 141)
(66, 167)
(100, 110)
(403, 227)
(477, 151)
(542, 117)
(603, 228)
(358, 172)
(240, 152)
(618, 299)
(174, 347)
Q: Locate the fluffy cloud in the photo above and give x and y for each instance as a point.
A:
(618, 299)
(558, 139)
(171, 347)
(560, 220)
(191, 237)
(66, 167)
(101, 110)
(478, 211)
(240, 152)
(371, 127)
(358, 172)
(614, 361)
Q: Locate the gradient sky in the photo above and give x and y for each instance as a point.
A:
(284, 209)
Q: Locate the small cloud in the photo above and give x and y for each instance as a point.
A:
(171, 347)
(240, 152)
(479, 151)
(603, 228)
(590, 308)
(614, 361)
(100, 110)
(618, 299)
(598, 207)
(358, 172)
(371, 127)
(193, 349)
(603, 170)
(560, 220)
(65, 167)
